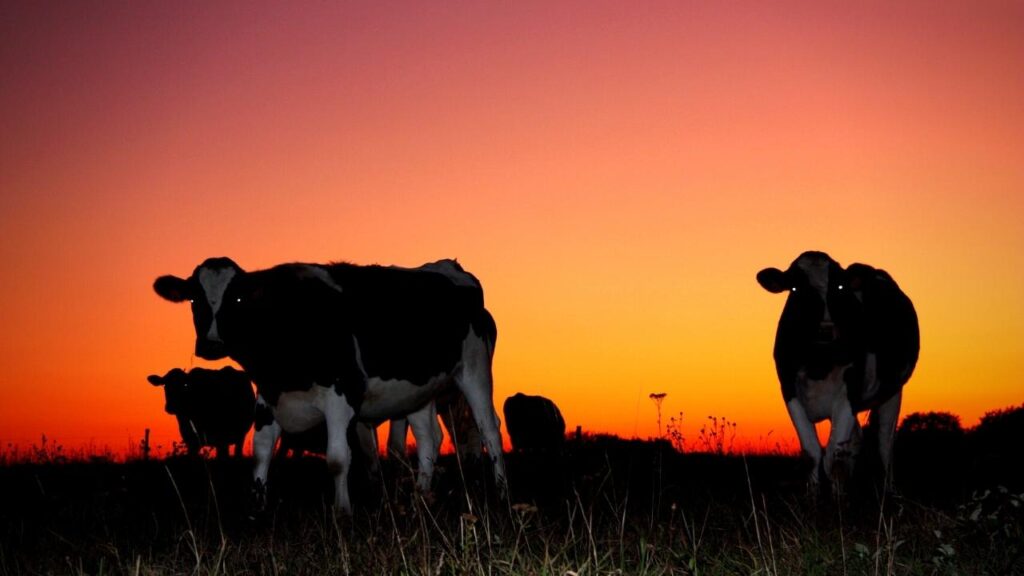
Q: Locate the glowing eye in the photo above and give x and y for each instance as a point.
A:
(239, 300)
(793, 289)
(191, 301)
(840, 286)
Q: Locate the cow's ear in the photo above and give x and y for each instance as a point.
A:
(773, 280)
(155, 380)
(172, 288)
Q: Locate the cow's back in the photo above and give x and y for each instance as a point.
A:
(409, 324)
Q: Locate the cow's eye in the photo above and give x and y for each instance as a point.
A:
(191, 301)
(793, 289)
(840, 287)
(238, 300)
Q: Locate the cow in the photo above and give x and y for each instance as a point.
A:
(334, 342)
(213, 407)
(534, 424)
(847, 342)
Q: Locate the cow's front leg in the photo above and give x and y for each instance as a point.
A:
(264, 437)
(808, 437)
(427, 433)
(843, 443)
(339, 414)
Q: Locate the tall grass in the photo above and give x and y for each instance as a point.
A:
(604, 506)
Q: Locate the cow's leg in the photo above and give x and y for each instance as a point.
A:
(475, 380)
(458, 420)
(843, 442)
(339, 414)
(264, 437)
(427, 433)
(397, 433)
(368, 444)
(886, 417)
(808, 436)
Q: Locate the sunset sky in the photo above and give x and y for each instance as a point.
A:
(615, 173)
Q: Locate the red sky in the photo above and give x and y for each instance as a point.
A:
(614, 173)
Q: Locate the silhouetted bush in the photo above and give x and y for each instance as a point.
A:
(996, 447)
(930, 451)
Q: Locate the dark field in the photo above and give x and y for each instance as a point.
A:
(606, 506)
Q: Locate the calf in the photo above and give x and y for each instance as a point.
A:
(847, 342)
(213, 407)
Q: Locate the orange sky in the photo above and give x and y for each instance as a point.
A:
(614, 175)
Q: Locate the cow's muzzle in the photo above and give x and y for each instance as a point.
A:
(210, 349)
(827, 333)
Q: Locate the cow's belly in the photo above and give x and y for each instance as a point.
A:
(301, 410)
(386, 399)
(819, 396)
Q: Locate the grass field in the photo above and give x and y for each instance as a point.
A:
(605, 506)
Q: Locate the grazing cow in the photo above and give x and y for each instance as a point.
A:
(340, 341)
(213, 407)
(847, 342)
(534, 423)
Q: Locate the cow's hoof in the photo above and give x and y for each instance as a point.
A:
(257, 500)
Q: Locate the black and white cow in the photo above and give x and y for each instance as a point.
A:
(847, 341)
(213, 407)
(340, 341)
(534, 424)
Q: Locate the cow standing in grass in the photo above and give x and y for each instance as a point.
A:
(213, 407)
(847, 342)
(331, 343)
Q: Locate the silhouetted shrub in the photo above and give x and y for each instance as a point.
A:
(930, 428)
(930, 454)
(996, 447)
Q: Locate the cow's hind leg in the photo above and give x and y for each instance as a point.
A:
(368, 446)
(885, 417)
(397, 431)
(475, 380)
(427, 433)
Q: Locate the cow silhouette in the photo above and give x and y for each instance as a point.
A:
(213, 407)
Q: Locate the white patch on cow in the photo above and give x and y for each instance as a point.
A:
(816, 269)
(300, 410)
(819, 396)
(386, 399)
(214, 282)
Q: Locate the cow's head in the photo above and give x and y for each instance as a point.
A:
(205, 289)
(821, 306)
(176, 386)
